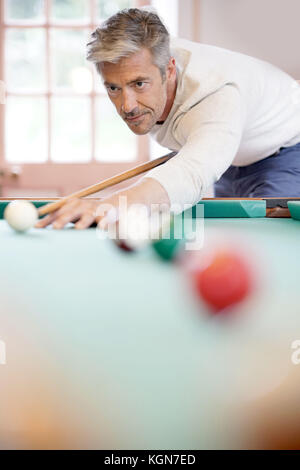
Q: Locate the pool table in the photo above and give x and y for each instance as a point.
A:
(111, 350)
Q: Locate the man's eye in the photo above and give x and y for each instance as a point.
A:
(112, 89)
(140, 84)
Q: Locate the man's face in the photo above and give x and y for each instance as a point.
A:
(136, 88)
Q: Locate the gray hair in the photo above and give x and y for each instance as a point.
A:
(127, 32)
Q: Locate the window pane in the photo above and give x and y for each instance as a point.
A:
(68, 50)
(26, 130)
(24, 10)
(106, 8)
(99, 87)
(71, 130)
(70, 10)
(114, 140)
(25, 59)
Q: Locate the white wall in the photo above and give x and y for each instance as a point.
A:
(168, 11)
(187, 9)
(267, 29)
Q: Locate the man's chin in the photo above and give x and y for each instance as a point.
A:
(139, 129)
(142, 127)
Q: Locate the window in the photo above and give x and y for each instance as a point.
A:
(49, 83)
(56, 110)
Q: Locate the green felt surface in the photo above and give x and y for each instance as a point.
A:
(125, 345)
(294, 208)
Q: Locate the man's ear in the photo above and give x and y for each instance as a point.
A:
(171, 68)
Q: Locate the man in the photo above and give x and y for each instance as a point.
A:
(234, 120)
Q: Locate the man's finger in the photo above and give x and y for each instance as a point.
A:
(66, 218)
(111, 216)
(47, 220)
(85, 221)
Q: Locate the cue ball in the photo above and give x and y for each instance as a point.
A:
(21, 215)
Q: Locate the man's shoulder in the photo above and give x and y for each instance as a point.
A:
(199, 58)
(206, 64)
(182, 44)
(202, 69)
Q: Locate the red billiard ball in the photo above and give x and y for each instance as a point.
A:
(132, 230)
(222, 280)
(124, 246)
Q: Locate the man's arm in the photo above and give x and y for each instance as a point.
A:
(210, 134)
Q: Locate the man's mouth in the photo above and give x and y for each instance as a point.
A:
(134, 118)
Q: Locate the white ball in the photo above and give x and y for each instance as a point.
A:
(21, 215)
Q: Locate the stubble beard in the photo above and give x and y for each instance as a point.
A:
(135, 127)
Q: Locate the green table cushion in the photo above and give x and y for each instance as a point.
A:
(231, 209)
(37, 204)
(294, 208)
(212, 208)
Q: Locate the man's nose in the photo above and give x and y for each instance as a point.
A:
(129, 102)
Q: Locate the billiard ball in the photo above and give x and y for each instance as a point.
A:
(132, 229)
(166, 249)
(167, 246)
(165, 242)
(222, 279)
(130, 244)
(21, 215)
(124, 245)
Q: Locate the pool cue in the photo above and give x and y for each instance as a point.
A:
(95, 188)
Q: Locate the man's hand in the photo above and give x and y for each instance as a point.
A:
(81, 211)
(85, 212)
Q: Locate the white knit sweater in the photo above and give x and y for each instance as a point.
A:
(229, 108)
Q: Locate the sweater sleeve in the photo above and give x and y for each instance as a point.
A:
(209, 134)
